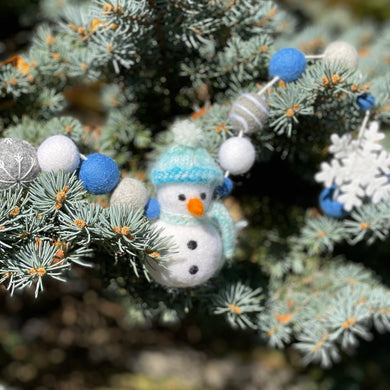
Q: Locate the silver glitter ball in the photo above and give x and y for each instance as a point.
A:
(18, 163)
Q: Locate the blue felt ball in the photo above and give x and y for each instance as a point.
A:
(225, 188)
(99, 173)
(152, 209)
(331, 207)
(288, 64)
(365, 102)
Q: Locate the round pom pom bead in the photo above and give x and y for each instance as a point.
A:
(131, 192)
(58, 152)
(331, 207)
(225, 188)
(341, 53)
(152, 209)
(287, 64)
(99, 173)
(365, 102)
(18, 163)
(237, 155)
(249, 113)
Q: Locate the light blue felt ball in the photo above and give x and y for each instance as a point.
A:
(331, 207)
(99, 173)
(288, 64)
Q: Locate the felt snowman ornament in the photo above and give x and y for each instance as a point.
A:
(201, 229)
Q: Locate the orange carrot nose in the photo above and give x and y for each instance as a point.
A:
(195, 206)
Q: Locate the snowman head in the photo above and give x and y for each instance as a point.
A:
(185, 198)
(186, 176)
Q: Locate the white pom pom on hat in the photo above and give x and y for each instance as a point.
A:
(187, 133)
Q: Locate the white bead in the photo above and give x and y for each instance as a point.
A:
(341, 52)
(237, 155)
(130, 192)
(58, 152)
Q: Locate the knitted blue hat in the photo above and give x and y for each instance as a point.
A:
(186, 161)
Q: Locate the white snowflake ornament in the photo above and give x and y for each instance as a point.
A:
(359, 168)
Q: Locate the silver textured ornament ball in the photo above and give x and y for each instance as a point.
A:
(343, 53)
(18, 163)
(130, 192)
(249, 113)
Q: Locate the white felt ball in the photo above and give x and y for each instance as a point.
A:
(237, 155)
(197, 256)
(58, 152)
(131, 192)
(341, 52)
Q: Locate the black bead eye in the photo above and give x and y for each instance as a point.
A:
(192, 244)
(182, 197)
(203, 196)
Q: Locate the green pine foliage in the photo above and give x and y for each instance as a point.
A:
(147, 63)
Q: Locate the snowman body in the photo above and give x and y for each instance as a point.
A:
(196, 243)
(196, 257)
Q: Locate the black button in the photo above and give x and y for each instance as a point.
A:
(192, 244)
(194, 269)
